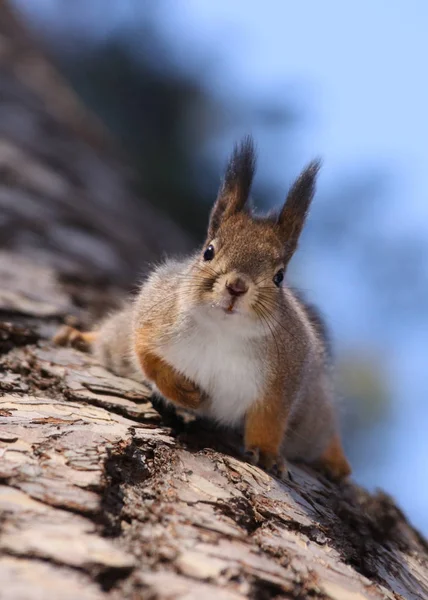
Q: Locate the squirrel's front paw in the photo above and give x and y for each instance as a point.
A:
(273, 463)
(190, 396)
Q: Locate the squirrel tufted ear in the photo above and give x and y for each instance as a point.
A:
(293, 214)
(236, 185)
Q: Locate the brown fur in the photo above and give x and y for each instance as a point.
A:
(171, 384)
(265, 426)
(293, 215)
(270, 354)
(236, 186)
(333, 460)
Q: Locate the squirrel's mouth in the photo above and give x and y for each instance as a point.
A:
(230, 305)
(230, 308)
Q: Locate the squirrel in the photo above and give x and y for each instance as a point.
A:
(220, 332)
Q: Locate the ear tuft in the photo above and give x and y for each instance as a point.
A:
(294, 212)
(236, 186)
(240, 171)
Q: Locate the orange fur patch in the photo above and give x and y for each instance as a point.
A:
(265, 426)
(334, 461)
(174, 386)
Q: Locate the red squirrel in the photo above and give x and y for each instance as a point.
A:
(222, 334)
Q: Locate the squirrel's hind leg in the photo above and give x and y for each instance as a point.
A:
(69, 336)
(334, 461)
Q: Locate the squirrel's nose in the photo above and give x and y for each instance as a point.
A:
(237, 287)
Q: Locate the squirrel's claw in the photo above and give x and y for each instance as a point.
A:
(252, 455)
(274, 464)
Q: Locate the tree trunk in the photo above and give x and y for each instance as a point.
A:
(99, 498)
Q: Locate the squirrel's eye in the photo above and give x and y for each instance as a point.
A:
(209, 253)
(278, 277)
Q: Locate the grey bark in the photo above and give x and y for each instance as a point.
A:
(101, 497)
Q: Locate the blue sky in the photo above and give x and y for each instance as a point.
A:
(359, 71)
(363, 63)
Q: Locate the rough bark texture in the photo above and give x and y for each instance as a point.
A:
(99, 498)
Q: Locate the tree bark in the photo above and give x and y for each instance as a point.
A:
(100, 497)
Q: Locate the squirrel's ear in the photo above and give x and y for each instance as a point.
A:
(293, 214)
(236, 185)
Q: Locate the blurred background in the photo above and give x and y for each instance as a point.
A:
(178, 81)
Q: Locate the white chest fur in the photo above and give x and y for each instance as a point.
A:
(225, 366)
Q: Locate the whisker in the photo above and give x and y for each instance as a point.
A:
(273, 318)
(277, 306)
(262, 316)
(259, 281)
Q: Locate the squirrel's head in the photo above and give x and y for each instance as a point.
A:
(243, 261)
